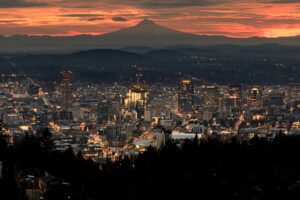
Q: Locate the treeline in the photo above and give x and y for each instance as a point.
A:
(192, 170)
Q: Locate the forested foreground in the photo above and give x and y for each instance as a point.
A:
(195, 170)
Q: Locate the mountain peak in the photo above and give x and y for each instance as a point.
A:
(150, 27)
(147, 23)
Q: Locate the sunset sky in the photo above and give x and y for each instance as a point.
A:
(235, 18)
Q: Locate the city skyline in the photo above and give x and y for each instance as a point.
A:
(148, 99)
(247, 18)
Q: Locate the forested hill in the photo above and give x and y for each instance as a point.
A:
(225, 64)
(203, 170)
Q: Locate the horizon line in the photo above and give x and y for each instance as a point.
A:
(144, 20)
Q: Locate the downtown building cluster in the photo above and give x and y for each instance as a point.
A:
(112, 121)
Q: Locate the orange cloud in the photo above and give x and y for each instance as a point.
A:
(271, 18)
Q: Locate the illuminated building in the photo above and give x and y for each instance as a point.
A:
(255, 97)
(137, 98)
(149, 114)
(66, 89)
(185, 96)
(235, 95)
(66, 95)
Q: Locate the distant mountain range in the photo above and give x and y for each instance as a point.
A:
(145, 36)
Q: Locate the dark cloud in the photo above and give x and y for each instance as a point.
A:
(147, 4)
(259, 21)
(222, 33)
(179, 3)
(8, 29)
(81, 15)
(20, 3)
(156, 4)
(119, 19)
(10, 21)
(85, 16)
(95, 19)
(151, 4)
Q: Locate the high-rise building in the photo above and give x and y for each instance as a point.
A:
(186, 96)
(210, 101)
(210, 97)
(137, 98)
(255, 97)
(103, 111)
(66, 89)
(235, 95)
(255, 93)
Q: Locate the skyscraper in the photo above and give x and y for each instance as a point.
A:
(255, 97)
(66, 89)
(137, 98)
(186, 96)
(210, 101)
(235, 95)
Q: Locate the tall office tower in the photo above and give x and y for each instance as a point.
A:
(255, 97)
(66, 89)
(210, 101)
(137, 98)
(235, 95)
(294, 92)
(103, 111)
(185, 96)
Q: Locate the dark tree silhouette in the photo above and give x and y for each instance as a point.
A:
(257, 169)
